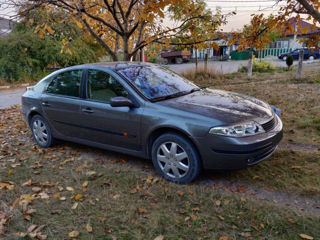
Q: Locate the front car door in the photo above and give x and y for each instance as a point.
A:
(114, 126)
(61, 102)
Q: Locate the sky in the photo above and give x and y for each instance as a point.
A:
(243, 8)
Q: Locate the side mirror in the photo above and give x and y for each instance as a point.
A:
(121, 102)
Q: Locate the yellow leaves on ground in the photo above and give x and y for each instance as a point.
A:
(6, 185)
(142, 210)
(85, 184)
(305, 236)
(4, 221)
(78, 197)
(74, 234)
(89, 228)
(224, 238)
(34, 232)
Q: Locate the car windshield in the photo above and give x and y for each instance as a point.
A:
(156, 83)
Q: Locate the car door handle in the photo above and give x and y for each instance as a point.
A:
(46, 104)
(87, 110)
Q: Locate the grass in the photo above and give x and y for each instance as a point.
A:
(122, 201)
(292, 172)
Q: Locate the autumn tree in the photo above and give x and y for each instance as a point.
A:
(255, 36)
(130, 25)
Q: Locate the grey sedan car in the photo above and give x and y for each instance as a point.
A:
(148, 111)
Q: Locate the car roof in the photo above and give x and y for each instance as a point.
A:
(111, 65)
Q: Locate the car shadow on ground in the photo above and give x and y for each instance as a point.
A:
(102, 155)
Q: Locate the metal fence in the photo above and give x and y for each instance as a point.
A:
(272, 52)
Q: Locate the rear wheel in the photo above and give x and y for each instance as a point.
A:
(175, 158)
(284, 58)
(41, 131)
(179, 60)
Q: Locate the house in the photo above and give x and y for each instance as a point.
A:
(295, 34)
(6, 26)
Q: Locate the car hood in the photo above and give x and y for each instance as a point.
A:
(226, 107)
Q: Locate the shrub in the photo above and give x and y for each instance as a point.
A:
(25, 56)
(260, 66)
(289, 61)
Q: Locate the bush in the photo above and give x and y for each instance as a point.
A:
(289, 61)
(24, 56)
(260, 66)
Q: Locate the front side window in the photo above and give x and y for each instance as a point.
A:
(66, 83)
(156, 82)
(102, 86)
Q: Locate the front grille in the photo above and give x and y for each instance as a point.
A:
(269, 125)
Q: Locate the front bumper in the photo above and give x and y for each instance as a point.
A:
(221, 152)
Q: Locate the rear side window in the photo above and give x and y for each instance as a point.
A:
(66, 83)
(102, 86)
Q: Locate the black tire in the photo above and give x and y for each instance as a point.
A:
(48, 141)
(179, 60)
(183, 145)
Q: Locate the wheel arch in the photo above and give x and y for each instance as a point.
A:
(31, 114)
(168, 129)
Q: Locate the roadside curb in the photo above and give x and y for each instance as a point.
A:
(14, 86)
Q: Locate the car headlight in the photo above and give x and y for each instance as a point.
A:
(238, 130)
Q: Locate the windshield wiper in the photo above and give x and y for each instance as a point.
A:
(178, 94)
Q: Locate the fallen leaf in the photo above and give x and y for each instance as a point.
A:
(89, 228)
(224, 238)
(70, 189)
(222, 218)
(180, 193)
(218, 203)
(62, 198)
(305, 236)
(85, 184)
(74, 206)
(36, 189)
(142, 210)
(56, 195)
(78, 197)
(160, 237)
(74, 234)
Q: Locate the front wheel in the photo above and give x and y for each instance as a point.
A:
(175, 158)
(284, 58)
(41, 131)
(311, 58)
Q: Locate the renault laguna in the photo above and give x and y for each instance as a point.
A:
(145, 110)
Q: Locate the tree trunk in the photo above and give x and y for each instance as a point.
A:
(141, 55)
(299, 72)
(250, 64)
(126, 55)
(196, 59)
(206, 62)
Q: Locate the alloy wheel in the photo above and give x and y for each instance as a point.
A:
(173, 160)
(40, 131)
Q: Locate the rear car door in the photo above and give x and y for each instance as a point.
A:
(116, 126)
(61, 102)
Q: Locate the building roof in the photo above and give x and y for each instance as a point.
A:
(301, 27)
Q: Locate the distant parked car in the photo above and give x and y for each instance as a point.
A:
(148, 111)
(310, 54)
